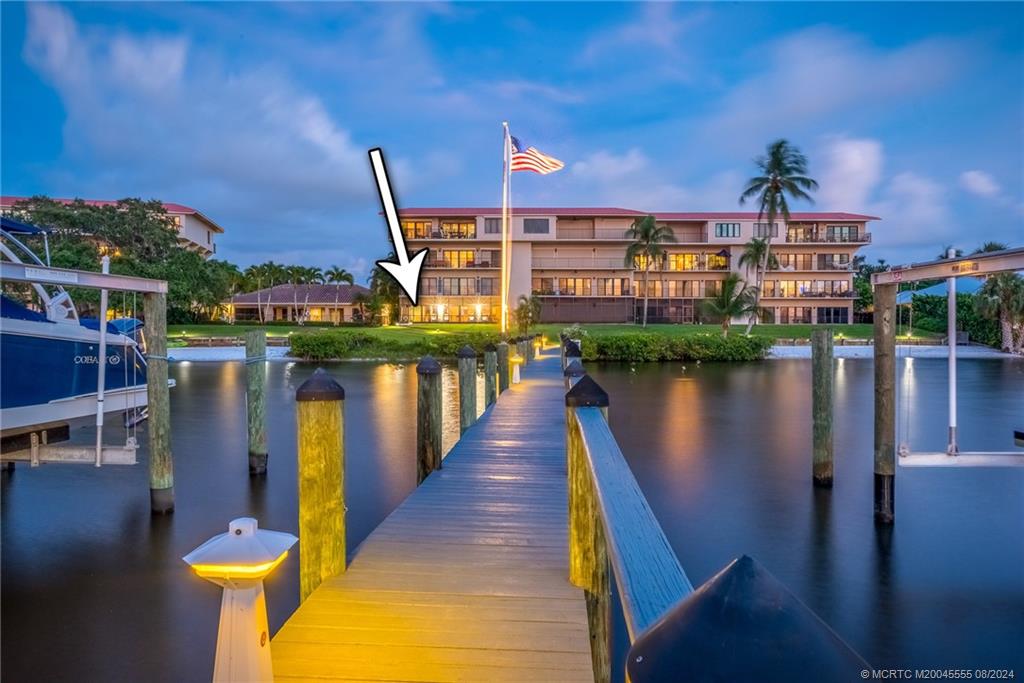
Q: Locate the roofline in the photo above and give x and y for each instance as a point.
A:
(442, 212)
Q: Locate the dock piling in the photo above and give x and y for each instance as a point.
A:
(467, 388)
(885, 402)
(161, 461)
(822, 406)
(588, 547)
(320, 421)
(256, 399)
(490, 375)
(428, 418)
(504, 375)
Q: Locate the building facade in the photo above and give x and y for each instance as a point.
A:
(196, 232)
(299, 303)
(574, 259)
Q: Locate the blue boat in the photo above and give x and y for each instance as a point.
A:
(50, 357)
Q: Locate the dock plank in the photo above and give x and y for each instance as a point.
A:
(467, 580)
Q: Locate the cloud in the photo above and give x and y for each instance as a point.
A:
(852, 170)
(915, 214)
(979, 183)
(656, 27)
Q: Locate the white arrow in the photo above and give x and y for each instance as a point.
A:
(407, 271)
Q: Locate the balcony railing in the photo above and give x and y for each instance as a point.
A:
(441, 235)
(442, 263)
(682, 236)
(810, 295)
(569, 262)
(796, 237)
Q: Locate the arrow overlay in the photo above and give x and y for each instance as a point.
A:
(407, 271)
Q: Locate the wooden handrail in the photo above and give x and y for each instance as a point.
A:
(647, 572)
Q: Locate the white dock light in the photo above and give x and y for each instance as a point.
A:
(237, 561)
(516, 361)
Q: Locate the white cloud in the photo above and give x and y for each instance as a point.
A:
(852, 170)
(915, 215)
(979, 183)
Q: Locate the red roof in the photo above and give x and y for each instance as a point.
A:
(465, 212)
(7, 201)
(460, 212)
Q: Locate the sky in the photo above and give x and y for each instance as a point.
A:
(260, 115)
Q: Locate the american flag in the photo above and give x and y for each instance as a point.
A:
(529, 159)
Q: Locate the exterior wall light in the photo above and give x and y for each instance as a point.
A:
(238, 561)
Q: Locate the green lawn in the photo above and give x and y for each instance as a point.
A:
(857, 331)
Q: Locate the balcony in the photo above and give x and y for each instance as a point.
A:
(825, 238)
(578, 263)
(452, 265)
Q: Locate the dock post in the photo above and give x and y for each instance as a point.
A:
(885, 403)
(588, 550)
(822, 405)
(573, 351)
(524, 350)
(320, 422)
(503, 369)
(572, 373)
(428, 418)
(467, 388)
(161, 462)
(490, 375)
(256, 398)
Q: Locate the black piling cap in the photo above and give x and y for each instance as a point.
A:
(320, 387)
(586, 393)
(466, 351)
(490, 348)
(428, 366)
(572, 349)
(574, 369)
(742, 625)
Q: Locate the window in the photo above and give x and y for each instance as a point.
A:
(416, 229)
(543, 285)
(684, 262)
(640, 262)
(458, 230)
(841, 233)
(833, 315)
(458, 286)
(727, 229)
(428, 285)
(457, 258)
(574, 286)
(795, 261)
(712, 287)
(761, 230)
(612, 286)
(684, 288)
(654, 288)
(794, 314)
(488, 286)
(833, 261)
(536, 226)
(717, 262)
(492, 226)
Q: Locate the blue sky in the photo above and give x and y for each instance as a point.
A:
(260, 115)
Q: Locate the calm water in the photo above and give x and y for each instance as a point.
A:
(93, 588)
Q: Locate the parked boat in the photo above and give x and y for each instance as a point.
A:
(50, 357)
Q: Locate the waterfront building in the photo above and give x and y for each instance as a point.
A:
(196, 232)
(574, 259)
(299, 303)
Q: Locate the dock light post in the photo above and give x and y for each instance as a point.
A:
(238, 561)
(516, 361)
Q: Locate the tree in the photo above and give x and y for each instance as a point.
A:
(384, 293)
(990, 246)
(646, 247)
(734, 299)
(337, 275)
(1002, 298)
(944, 254)
(783, 173)
(527, 313)
(755, 252)
(862, 282)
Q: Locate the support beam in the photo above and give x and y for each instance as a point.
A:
(951, 446)
(885, 402)
(23, 272)
(974, 265)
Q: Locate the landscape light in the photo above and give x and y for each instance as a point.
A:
(516, 361)
(238, 561)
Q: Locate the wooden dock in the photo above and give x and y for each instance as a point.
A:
(467, 580)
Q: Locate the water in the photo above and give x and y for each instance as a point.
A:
(94, 589)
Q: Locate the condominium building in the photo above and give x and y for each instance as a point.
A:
(574, 259)
(196, 232)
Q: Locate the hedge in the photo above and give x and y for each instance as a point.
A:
(331, 344)
(646, 347)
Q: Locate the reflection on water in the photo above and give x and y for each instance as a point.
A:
(944, 588)
(94, 588)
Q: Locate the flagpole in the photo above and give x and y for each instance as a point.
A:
(505, 197)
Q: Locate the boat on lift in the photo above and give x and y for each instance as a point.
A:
(50, 359)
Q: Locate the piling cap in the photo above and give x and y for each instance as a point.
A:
(245, 551)
(742, 625)
(586, 393)
(428, 366)
(466, 351)
(490, 348)
(320, 387)
(572, 349)
(574, 369)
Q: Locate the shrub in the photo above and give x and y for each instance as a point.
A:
(338, 344)
(648, 347)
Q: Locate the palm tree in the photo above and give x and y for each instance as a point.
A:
(647, 238)
(527, 312)
(990, 246)
(337, 275)
(944, 254)
(1002, 298)
(755, 252)
(783, 173)
(733, 300)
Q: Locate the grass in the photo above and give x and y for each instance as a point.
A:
(408, 333)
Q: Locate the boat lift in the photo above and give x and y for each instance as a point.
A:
(988, 263)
